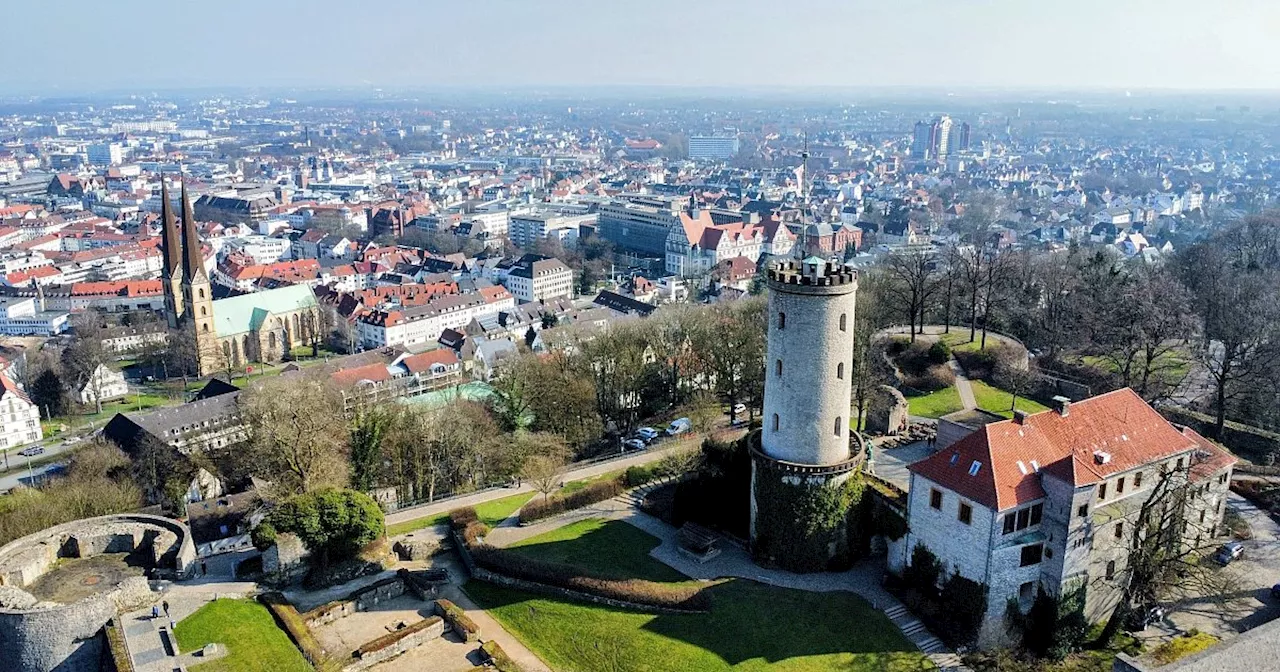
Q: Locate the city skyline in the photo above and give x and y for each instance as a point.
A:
(1142, 45)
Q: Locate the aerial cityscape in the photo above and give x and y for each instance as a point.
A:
(563, 340)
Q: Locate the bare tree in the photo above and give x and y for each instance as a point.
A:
(298, 433)
(545, 473)
(913, 279)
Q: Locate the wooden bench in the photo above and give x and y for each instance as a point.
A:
(697, 542)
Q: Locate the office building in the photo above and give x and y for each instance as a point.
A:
(713, 147)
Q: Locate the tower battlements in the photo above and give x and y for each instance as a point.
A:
(793, 275)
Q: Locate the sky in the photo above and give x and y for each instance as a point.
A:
(89, 45)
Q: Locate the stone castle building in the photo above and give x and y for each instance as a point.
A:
(804, 446)
(231, 332)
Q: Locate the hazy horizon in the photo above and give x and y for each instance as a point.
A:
(923, 45)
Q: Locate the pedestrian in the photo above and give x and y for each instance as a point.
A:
(204, 568)
(155, 612)
(165, 606)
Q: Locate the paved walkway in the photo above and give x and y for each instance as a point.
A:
(151, 642)
(963, 386)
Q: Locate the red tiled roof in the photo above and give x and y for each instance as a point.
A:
(376, 372)
(1118, 423)
(423, 361)
(1210, 458)
(9, 387)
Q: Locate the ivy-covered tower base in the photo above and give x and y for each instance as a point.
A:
(803, 472)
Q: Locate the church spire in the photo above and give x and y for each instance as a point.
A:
(193, 259)
(169, 239)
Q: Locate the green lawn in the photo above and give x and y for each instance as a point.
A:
(935, 404)
(251, 636)
(996, 400)
(491, 513)
(615, 549)
(751, 626)
(959, 340)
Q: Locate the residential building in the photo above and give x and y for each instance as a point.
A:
(699, 244)
(640, 224)
(1049, 501)
(406, 376)
(19, 418)
(105, 154)
(212, 420)
(527, 228)
(422, 324)
(535, 278)
(103, 384)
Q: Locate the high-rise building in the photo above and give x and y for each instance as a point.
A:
(943, 137)
(805, 448)
(105, 154)
(716, 147)
(963, 142)
(922, 140)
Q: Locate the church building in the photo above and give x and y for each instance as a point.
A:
(232, 332)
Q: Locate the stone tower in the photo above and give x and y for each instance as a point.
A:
(197, 293)
(171, 246)
(804, 444)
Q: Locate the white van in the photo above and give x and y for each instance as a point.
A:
(679, 426)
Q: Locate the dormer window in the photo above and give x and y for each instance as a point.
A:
(975, 468)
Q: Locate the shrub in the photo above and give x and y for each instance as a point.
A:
(936, 377)
(393, 637)
(923, 572)
(637, 591)
(591, 494)
(939, 352)
(473, 532)
(638, 475)
(458, 620)
(460, 518)
(1180, 647)
(964, 601)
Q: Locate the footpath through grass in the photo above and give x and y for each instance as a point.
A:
(254, 642)
(998, 401)
(935, 404)
(491, 513)
(751, 626)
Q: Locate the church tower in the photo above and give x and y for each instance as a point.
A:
(804, 455)
(171, 246)
(197, 293)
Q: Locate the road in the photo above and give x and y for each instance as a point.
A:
(1248, 602)
(18, 474)
(589, 471)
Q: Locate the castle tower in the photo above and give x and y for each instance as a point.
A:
(803, 447)
(171, 246)
(198, 293)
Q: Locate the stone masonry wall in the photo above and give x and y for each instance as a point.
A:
(434, 629)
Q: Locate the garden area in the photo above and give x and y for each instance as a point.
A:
(491, 513)
(254, 642)
(935, 404)
(995, 400)
(749, 626)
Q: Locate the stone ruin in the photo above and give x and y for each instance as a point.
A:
(42, 636)
(886, 411)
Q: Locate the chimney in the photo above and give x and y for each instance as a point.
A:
(1062, 405)
(1019, 417)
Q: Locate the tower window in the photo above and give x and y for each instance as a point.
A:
(206, 328)
(202, 296)
(203, 311)
(838, 423)
(775, 422)
(843, 322)
(840, 370)
(778, 368)
(1111, 569)
(782, 320)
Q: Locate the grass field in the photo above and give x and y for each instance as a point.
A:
(491, 513)
(574, 486)
(959, 340)
(935, 404)
(751, 626)
(996, 400)
(254, 642)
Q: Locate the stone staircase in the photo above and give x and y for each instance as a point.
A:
(915, 631)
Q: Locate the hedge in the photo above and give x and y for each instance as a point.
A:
(460, 518)
(458, 620)
(473, 531)
(593, 493)
(116, 647)
(649, 593)
(391, 638)
(639, 475)
(499, 658)
(296, 627)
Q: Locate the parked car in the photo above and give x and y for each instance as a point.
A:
(31, 452)
(647, 434)
(1229, 553)
(679, 426)
(634, 444)
(70, 440)
(739, 409)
